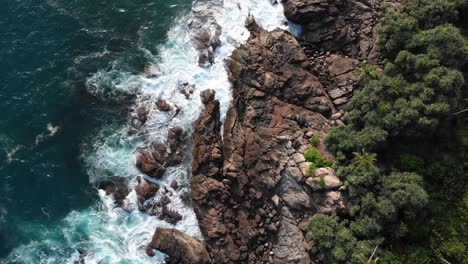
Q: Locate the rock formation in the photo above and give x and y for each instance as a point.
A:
(181, 248)
(154, 160)
(205, 30)
(248, 187)
(252, 191)
(348, 27)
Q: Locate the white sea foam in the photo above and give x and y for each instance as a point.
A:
(106, 234)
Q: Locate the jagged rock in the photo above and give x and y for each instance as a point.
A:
(146, 190)
(337, 25)
(235, 176)
(154, 160)
(205, 31)
(180, 247)
(186, 89)
(207, 149)
(170, 216)
(207, 96)
(175, 185)
(151, 163)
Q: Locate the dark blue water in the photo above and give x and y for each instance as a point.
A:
(48, 51)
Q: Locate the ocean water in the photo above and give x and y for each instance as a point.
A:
(71, 71)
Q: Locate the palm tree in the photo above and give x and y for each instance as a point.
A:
(367, 72)
(365, 160)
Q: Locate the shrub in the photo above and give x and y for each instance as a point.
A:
(315, 140)
(314, 156)
(410, 162)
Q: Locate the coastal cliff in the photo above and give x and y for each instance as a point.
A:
(253, 190)
(263, 186)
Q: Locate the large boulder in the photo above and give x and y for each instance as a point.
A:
(324, 179)
(151, 161)
(180, 247)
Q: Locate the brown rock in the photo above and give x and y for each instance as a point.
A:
(162, 105)
(340, 65)
(117, 188)
(146, 190)
(152, 165)
(180, 247)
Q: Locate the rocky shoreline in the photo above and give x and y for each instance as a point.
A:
(253, 191)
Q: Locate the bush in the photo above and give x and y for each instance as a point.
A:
(314, 156)
(410, 162)
(315, 140)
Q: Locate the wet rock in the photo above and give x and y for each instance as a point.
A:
(170, 216)
(162, 105)
(186, 198)
(180, 247)
(151, 163)
(205, 31)
(117, 188)
(146, 190)
(154, 160)
(207, 96)
(175, 185)
(186, 89)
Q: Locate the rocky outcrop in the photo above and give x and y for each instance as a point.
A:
(117, 188)
(347, 27)
(154, 160)
(205, 30)
(248, 187)
(145, 190)
(180, 247)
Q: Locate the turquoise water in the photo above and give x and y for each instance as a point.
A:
(49, 49)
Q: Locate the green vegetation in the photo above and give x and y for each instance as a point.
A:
(315, 140)
(316, 159)
(367, 72)
(402, 150)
